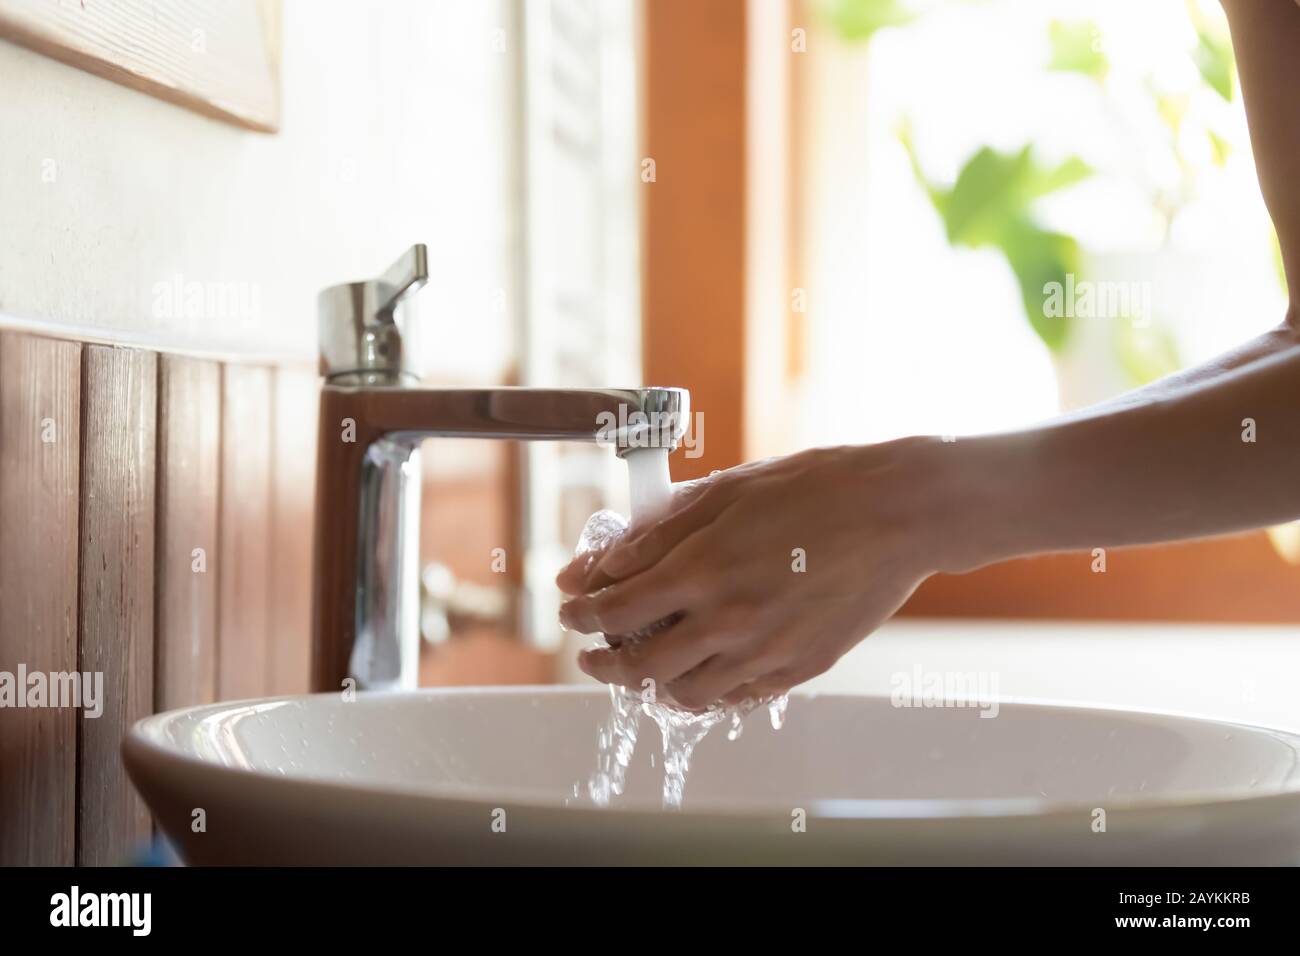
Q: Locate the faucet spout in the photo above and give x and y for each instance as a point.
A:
(625, 418)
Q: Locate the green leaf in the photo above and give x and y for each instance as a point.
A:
(938, 196)
(1075, 49)
(1213, 52)
(991, 204)
(1041, 182)
(1222, 148)
(987, 195)
(1172, 109)
(1215, 66)
(860, 19)
(996, 190)
(1039, 258)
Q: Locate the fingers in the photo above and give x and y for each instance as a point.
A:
(638, 551)
(584, 573)
(633, 605)
(758, 664)
(801, 662)
(660, 658)
(711, 681)
(577, 576)
(763, 688)
(696, 666)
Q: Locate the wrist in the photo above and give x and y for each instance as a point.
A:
(964, 495)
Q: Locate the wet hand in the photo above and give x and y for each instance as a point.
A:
(776, 568)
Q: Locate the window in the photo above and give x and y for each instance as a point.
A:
(1016, 207)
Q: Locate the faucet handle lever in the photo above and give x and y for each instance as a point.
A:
(364, 339)
(404, 277)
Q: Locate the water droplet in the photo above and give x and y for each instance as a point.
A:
(777, 709)
(737, 726)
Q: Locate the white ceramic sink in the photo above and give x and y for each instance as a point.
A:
(422, 777)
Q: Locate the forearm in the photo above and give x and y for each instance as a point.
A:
(1258, 349)
(1167, 464)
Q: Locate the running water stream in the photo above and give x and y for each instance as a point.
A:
(680, 730)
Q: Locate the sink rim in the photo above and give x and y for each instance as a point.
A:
(141, 748)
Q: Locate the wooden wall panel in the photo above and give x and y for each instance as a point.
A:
(117, 465)
(297, 394)
(40, 421)
(189, 469)
(244, 563)
(118, 417)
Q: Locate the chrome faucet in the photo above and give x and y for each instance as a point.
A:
(373, 416)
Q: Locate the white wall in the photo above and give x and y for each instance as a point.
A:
(397, 128)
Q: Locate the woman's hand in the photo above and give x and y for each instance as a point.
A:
(776, 568)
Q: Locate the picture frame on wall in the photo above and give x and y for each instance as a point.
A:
(220, 58)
